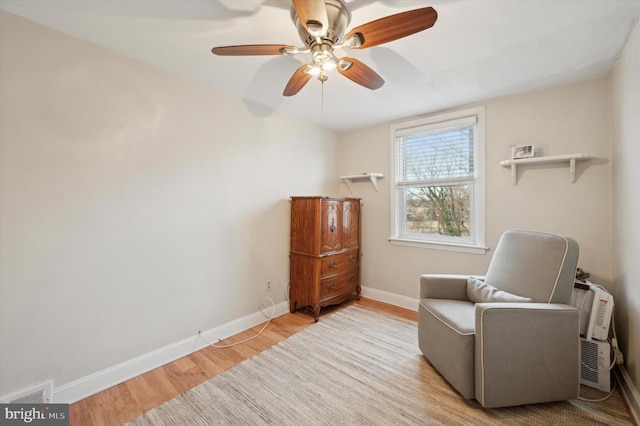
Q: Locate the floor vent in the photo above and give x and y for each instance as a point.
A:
(35, 395)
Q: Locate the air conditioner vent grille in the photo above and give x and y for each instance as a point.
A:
(594, 368)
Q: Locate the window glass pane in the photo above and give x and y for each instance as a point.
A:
(439, 154)
(438, 210)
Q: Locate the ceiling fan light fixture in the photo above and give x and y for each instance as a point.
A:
(329, 65)
(320, 67)
(321, 51)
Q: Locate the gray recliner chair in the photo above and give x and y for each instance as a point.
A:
(510, 337)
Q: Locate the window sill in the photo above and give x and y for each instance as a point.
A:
(462, 248)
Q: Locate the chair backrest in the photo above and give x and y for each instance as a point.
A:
(537, 265)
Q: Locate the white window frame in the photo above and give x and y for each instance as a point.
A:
(476, 242)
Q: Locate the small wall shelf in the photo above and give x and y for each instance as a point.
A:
(372, 177)
(570, 158)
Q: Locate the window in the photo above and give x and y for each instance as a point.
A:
(438, 189)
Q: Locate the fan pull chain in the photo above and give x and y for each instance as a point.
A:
(322, 98)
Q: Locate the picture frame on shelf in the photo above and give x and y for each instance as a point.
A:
(523, 151)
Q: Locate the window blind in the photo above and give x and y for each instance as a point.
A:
(435, 154)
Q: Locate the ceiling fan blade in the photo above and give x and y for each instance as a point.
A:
(391, 28)
(297, 81)
(312, 14)
(252, 49)
(360, 73)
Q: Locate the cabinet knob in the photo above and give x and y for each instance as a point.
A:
(332, 264)
(332, 286)
(352, 279)
(352, 259)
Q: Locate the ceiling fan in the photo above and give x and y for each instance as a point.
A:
(321, 26)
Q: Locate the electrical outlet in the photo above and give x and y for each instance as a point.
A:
(268, 286)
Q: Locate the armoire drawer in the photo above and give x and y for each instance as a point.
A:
(339, 263)
(338, 284)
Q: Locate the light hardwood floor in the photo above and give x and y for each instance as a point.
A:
(123, 402)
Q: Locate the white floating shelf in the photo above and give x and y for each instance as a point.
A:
(372, 177)
(570, 158)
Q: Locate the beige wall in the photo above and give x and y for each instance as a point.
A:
(136, 207)
(562, 120)
(625, 83)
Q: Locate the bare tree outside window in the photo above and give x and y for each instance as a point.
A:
(441, 210)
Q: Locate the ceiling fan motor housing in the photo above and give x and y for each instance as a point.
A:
(338, 17)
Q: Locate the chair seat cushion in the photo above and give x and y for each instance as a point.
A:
(479, 291)
(458, 315)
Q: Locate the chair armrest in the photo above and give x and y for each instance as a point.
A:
(441, 286)
(526, 353)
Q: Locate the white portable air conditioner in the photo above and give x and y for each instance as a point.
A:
(596, 361)
(596, 306)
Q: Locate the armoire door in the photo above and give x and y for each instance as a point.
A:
(350, 224)
(331, 226)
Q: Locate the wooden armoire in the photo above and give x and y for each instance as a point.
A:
(325, 251)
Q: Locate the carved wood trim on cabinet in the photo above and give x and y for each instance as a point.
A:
(325, 251)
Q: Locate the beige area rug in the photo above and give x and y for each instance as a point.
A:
(355, 367)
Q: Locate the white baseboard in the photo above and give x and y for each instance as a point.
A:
(101, 380)
(629, 392)
(390, 298)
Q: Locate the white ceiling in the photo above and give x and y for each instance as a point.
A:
(478, 49)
